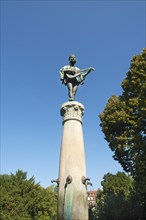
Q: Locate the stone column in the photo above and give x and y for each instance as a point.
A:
(72, 195)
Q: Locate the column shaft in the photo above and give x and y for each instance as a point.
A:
(72, 196)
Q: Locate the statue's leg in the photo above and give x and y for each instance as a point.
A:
(70, 90)
(74, 90)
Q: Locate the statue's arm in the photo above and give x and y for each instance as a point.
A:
(84, 73)
(62, 74)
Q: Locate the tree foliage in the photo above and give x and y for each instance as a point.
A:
(23, 199)
(123, 122)
(115, 201)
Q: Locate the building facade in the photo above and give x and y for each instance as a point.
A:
(92, 198)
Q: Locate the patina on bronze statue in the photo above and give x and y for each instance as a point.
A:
(72, 76)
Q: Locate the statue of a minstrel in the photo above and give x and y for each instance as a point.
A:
(72, 76)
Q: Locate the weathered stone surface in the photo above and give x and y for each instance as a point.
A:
(72, 111)
(72, 196)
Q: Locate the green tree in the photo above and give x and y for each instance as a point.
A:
(123, 122)
(114, 202)
(23, 199)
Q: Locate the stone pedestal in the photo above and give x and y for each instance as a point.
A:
(72, 195)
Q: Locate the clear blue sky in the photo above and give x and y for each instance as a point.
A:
(37, 38)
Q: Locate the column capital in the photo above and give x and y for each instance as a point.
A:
(72, 111)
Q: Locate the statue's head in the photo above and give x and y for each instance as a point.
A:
(72, 59)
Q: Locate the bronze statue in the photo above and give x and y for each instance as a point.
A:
(72, 76)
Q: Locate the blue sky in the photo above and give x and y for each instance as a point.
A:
(37, 38)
